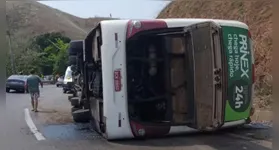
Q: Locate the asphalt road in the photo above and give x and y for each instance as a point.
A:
(55, 124)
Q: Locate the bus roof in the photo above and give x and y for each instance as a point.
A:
(175, 22)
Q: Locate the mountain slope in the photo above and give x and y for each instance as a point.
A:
(256, 13)
(27, 19)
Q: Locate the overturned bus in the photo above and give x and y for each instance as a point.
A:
(151, 78)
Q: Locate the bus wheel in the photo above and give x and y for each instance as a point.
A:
(75, 109)
(72, 60)
(81, 115)
(70, 97)
(75, 47)
(74, 101)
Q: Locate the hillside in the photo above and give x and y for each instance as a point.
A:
(27, 19)
(256, 13)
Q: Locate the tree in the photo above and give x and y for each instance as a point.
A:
(45, 44)
(58, 55)
(25, 58)
(29, 55)
(40, 42)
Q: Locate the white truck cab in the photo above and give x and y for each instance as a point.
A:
(68, 80)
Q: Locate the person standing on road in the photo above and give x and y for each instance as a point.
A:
(33, 82)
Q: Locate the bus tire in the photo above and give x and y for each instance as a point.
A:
(72, 60)
(75, 47)
(75, 101)
(70, 97)
(81, 115)
(73, 109)
(79, 66)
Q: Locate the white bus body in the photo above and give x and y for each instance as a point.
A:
(114, 34)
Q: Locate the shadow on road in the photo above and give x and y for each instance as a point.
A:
(70, 132)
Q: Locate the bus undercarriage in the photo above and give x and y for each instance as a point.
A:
(174, 78)
(157, 67)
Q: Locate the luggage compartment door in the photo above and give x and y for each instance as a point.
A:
(203, 44)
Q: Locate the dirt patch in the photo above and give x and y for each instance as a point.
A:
(54, 116)
(262, 115)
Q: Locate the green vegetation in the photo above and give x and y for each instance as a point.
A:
(58, 54)
(46, 53)
(35, 21)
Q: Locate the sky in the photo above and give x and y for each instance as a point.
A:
(124, 9)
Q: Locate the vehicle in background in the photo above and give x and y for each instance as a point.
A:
(151, 78)
(17, 83)
(60, 81)
(68, 81)
(48, 79)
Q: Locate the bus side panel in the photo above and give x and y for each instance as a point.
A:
(238, 54)
(114, 59)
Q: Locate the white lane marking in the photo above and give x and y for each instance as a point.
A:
(32, 126)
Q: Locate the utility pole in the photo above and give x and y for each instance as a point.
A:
(10, 45)
(11, 52)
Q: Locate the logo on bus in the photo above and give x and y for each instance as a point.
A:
(240, 94)
(244, 61)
